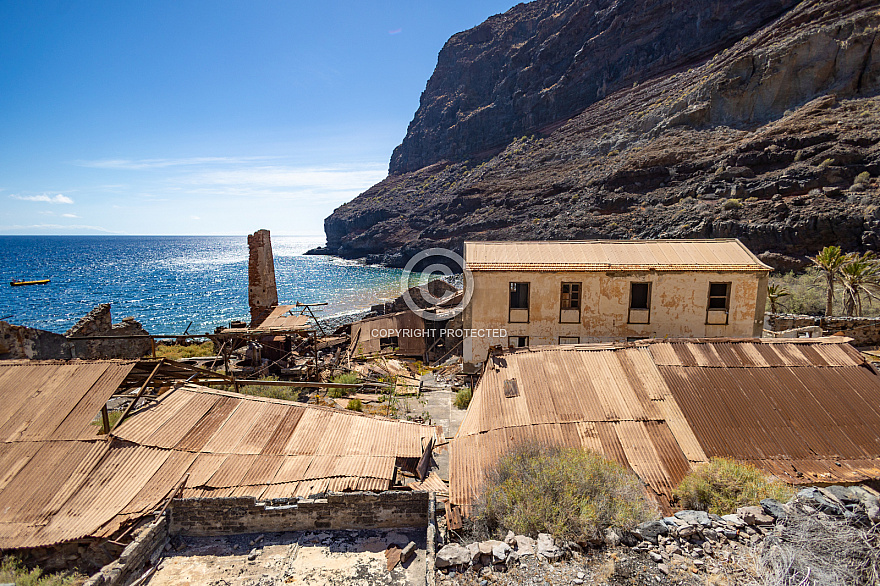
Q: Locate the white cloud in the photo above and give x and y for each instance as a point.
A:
(139, 164)
(44, 198)
(284, 182)
(18, 227)
(194, 218)
(69, 216)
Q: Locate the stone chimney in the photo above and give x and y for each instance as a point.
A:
(262, 292)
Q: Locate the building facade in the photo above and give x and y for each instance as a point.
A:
(540, 293)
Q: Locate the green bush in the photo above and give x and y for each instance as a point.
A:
(722, 485)
(354, 405)
(12, 571)
(571, 493)
(463, 398)
(732, 204)
(348, 378)
(862, 178)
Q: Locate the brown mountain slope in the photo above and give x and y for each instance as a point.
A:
(763, 141)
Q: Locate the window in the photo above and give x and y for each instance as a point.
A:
(719, 295)
(519, 303)
(569, 340)
(639, 303)
(719, 304)
(570, 303)
(517, 341)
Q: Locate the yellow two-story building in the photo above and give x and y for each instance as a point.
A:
(538, 293)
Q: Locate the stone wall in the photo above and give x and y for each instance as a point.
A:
(143, 552)
(98, 322)
(20, 342)
(352, 510)
(865, 331)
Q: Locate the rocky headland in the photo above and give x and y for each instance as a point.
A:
(632, 119)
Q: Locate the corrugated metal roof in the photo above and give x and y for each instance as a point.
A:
(807, 411)
(58, 483)
(604, 255)
(53, 400)
(282, 318)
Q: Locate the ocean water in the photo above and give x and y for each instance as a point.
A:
(167, 281)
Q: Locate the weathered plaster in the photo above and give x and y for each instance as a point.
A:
(678, 306)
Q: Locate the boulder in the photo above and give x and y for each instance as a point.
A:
(547, 548)
(775, 509)
(612, 538)
(695, 518)
(826, 503)
(754, 516)
(452, 554)
(651, 530)
(500, 552)
(524, 545)
(733, 520)
(474, 549)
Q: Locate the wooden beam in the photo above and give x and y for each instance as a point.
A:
(139, 395)
(290, 383)
(105, 420)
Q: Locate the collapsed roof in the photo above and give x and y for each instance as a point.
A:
(60, 481)
(807, 411)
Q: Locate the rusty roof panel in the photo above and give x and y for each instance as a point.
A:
(805, 410)
(54, 491)
(199, 434)
(723, 255)
(45, 400)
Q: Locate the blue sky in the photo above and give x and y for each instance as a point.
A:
(211, 117)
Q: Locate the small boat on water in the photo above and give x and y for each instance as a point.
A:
(34, 282)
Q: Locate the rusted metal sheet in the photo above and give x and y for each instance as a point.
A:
(619, 255)
(49, 400)
(804, 410)
(54, 490)
(282, 318)
(408, 328)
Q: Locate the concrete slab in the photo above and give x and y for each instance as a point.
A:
(319, 558)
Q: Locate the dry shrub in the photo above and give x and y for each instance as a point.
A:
(463, 398)
(571, 493)
(816, 550)
(347, 378)
(722, 485)
(178, 351)
(13, 571)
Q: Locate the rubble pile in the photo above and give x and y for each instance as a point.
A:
(688, 547)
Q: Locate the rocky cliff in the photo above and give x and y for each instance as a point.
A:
(636, 119)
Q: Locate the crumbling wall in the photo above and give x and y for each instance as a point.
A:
(141, 553)
(865, 331)
(98, 322)
(262, 292)
(351, 510)
(20, 342)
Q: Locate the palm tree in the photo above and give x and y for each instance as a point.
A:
(830, 261)
(860, 275)
(776, 291)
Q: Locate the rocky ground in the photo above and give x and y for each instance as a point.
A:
(690, 547)
(317, 558)
(764, 140)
